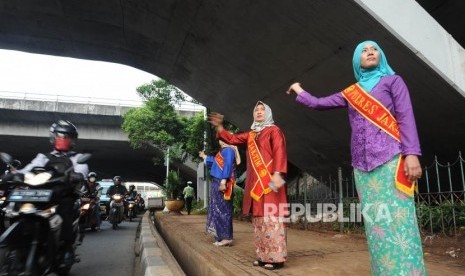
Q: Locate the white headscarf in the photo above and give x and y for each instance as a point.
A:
(236, 151)
(259, 126)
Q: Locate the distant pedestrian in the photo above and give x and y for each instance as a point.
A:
(264, 192)
(188, 193)
(220, 207)
(385, 150)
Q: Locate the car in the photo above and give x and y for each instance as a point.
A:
(104, 199)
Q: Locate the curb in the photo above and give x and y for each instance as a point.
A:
(194, 261)
(155, 257)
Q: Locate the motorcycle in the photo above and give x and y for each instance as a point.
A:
(32, 244)
(87, 216)
(140, 204)
(116, 210)
(3, 204)
(131, 208)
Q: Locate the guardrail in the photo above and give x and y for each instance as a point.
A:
(68, 99)
(32, 96)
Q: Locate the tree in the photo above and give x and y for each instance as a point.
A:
(195, 131)
(156, 123)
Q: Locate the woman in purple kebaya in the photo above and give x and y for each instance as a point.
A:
(385, 150)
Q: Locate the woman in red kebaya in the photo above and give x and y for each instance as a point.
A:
(265, 192)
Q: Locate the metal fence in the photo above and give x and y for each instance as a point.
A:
(440, 203)
(441, 199)
(313, 193)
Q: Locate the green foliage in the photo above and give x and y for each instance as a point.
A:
(175, 185)
(197, 208)
(354, 227)
(156, 123)
(439, 216)
(202, 211)
(195, 129)
(237, 201)
(145, 126)
(161, 92)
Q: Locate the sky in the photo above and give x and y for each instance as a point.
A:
(33, 73)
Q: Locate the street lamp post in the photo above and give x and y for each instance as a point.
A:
(167, 165)
(167, 160)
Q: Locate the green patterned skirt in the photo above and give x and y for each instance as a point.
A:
(391, 226)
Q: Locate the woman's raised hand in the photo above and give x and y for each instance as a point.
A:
(202, 154)
(215, 119)
(295, 87)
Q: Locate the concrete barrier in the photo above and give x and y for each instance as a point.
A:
(155, 257)
(195, 260)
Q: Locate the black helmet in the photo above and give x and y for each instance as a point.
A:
(132, 186)
(92, 174)
(64, 128)
(15, 164)
(117, 178)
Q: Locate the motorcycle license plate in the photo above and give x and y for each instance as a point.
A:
(30, 195)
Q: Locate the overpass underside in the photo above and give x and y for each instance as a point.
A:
(229, 54)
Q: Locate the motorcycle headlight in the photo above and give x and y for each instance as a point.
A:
(37, 179)
(116, 197)
(85, 206)
(131, 205)
(27, 208)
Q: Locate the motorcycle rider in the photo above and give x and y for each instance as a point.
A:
(63, 137)
(132, 195)
(93, 188)
(132, 192)
(117, 188)
(140, 203)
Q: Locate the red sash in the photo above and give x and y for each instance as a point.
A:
(260, 168)
(379, 115)
(232, 179)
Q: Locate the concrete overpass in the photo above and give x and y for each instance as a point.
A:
(229, 54)
(24, 131)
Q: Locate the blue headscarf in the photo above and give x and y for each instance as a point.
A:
(368, 78)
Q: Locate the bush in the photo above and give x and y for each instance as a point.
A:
(237, 201)
(174, 187)
(439, 216)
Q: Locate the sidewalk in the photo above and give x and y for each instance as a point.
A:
(309, 253)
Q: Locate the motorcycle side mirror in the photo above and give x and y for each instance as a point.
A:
(83, 158)
(6, 158)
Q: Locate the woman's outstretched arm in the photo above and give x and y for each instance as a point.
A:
(324, 103)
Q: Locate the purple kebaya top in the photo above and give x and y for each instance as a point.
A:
(371, 146)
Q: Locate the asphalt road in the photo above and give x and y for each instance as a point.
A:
(108, 252)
